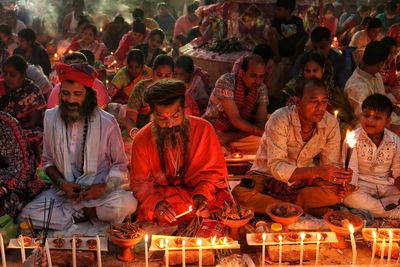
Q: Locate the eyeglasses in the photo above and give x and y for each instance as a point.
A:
(388, 207)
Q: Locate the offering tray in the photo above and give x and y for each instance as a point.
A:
(255, 239)
(191, 243)
(67, 244)
(380, 234)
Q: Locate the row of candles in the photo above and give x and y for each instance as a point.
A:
(47, 249)
(165, 245)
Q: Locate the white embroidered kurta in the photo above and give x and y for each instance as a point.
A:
(282, 148)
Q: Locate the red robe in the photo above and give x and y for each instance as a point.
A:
(205, 173)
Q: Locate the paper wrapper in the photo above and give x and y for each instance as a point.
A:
(192, 256)
(292, 252)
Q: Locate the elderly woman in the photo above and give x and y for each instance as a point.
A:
(22, 99)
(18, 181)
(32, 51)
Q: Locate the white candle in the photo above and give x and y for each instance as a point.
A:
(199, 244)
(353, 244)
(183, 253)
(214, 240)
(3, 252)
(73, 251)
(146, 252)
(317, 252)
(166, 253)
(264, 237)
(190, 209)
(302, 237)
(382, 250)
(225, 240)
(46, 247)
(280, 250)
(373, 249)
(21, 241)
(390, 246)
(98, 251)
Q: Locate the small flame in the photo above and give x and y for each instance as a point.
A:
(183, 243)
(225, 240)
(190, 208)
(374, 234)
(146, 238)
(390, 234)
(280, 238)
(214, 239)
(351, 229)
(199, 242)
(162, 243)
(101, 29)
(319, 236)
(55, 55)
(351, 138)
(302, 236)
(70, 52)
(112, 53)
(335, 39)
(114, 62)
(336, 112)
(264, 236)
(107, 81)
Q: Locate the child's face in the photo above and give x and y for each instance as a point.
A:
(373, 122)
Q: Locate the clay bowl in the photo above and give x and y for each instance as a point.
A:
(126, 245)
(285, 221)
(27, 240)
(235, 225)
(341, 232)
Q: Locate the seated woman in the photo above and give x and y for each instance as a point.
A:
(18, 181)
(22, 99)
(314, 65)
(152, 48)
(32, 51)
(88, 41)
(126, 78)
(138, 111)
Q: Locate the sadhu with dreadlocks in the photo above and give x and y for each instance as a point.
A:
(176, 160)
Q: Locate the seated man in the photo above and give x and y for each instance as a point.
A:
(176, 159)
(238, 106)
(284, 168)
(367, 80)
(362, 38)
(375, 161)
(83, 156)
(197, 81)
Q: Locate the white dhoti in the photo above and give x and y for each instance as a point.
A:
(111, 208)
(367, 198)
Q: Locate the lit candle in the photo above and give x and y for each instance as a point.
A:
(199, 244)
(146, 250)
(225, 240)
(353, 244)
(183, 253)
(184, 213)
(213, 240)
(302, 237)
(101, 29)
(46, 247)
(373, 249)
(166, 253)
(98, 251)
(115, 65)
(237, 155)
(336, 112)
(264, 237)
(21, 240)
(70, 52)
(280, 250)
(382, 251)
(107, 81)
(3, 252)
(55, 56)
(73, 251)
(351, 143)
(317, 252)
(112, 53)
(390, 246)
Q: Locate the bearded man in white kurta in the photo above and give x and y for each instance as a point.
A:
(84, 157)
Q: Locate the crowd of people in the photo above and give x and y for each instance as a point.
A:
(289, 103)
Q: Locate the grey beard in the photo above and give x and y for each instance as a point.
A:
(71, 116)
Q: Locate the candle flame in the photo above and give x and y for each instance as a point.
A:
(225, 240)
(199, 242)
(390, 234)
(146, 238)
(264, 236)
(351, 229)
(101, 29)
(190, 208)
(112, 53)
(162, 243)
(55, 55)
(183, 243)
(214, 239)
(336, 112)
(319, 236)
(280, 238)
(70, 51)
(114, 62)
(335, 39)
(351, 138)
(302, 236)
(374, 234)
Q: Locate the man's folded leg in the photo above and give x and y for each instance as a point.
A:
(254, 198)
(316, 200)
